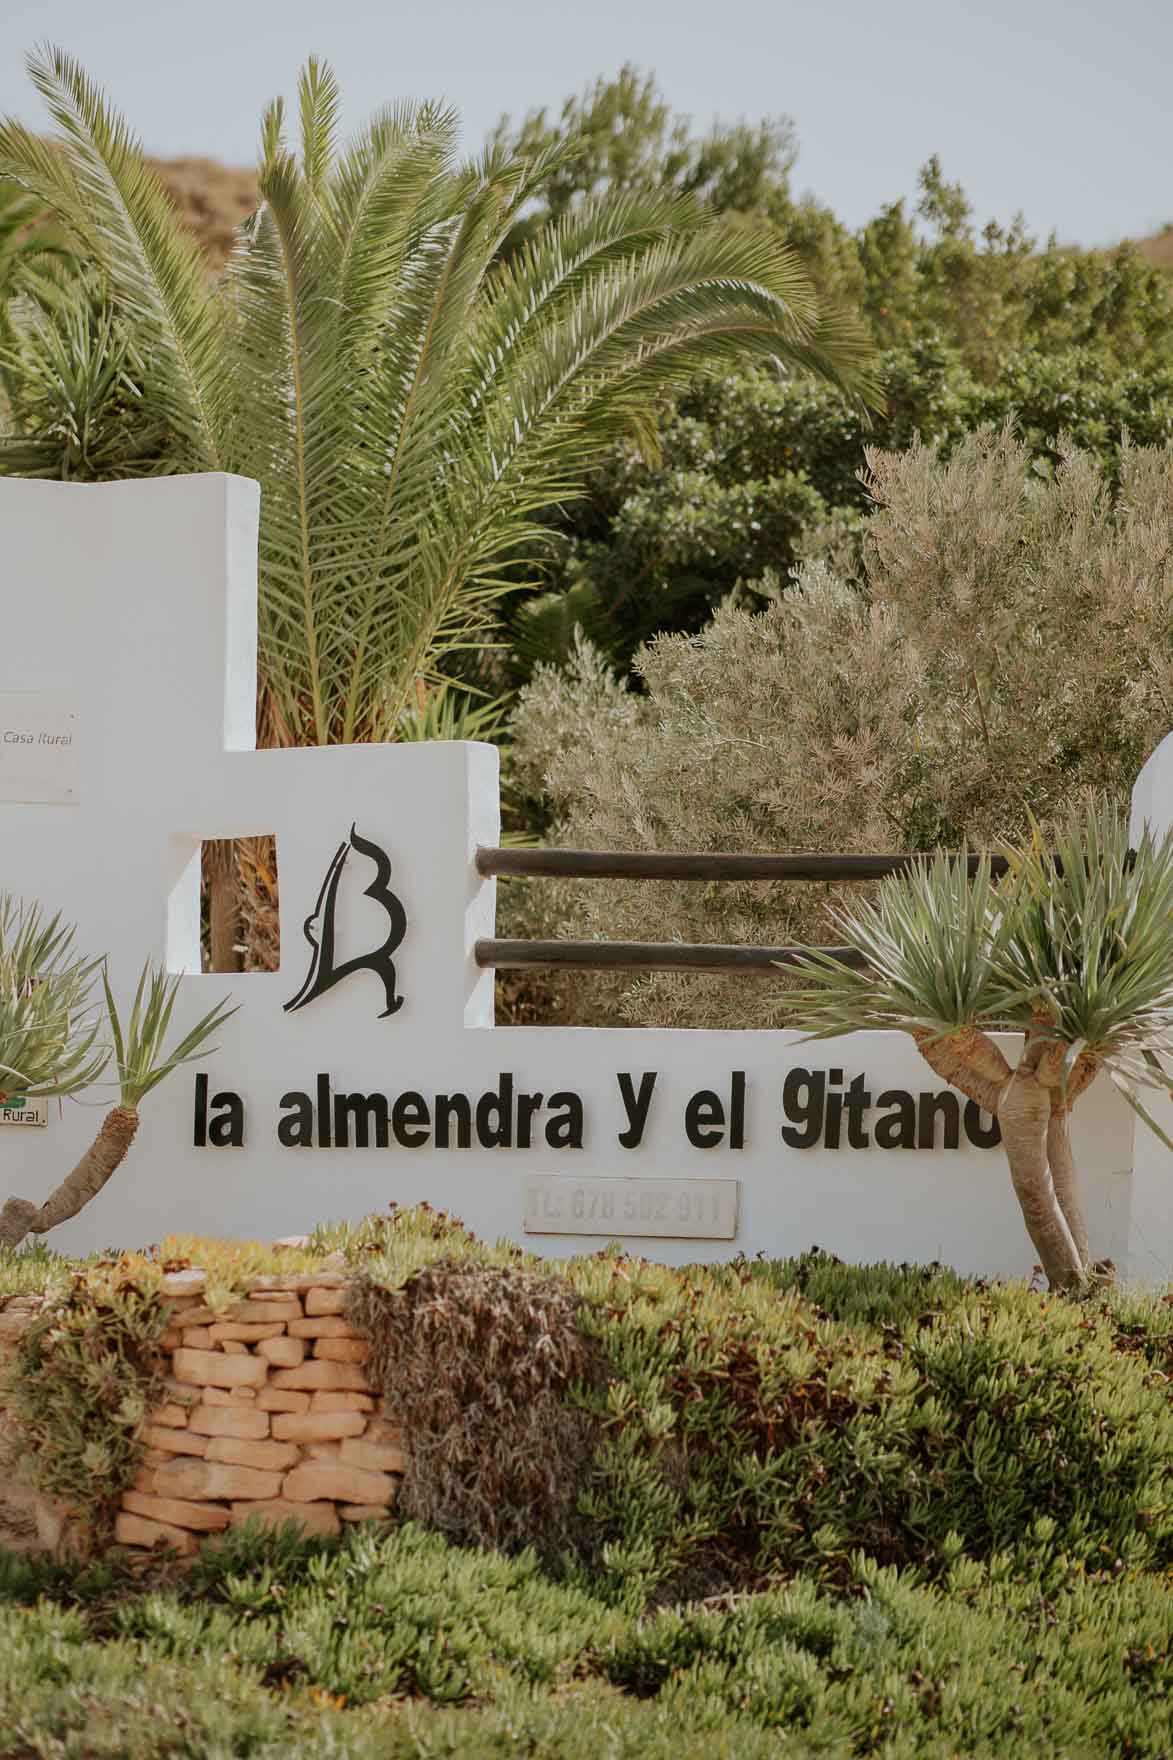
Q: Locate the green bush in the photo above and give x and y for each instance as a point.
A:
(87, 1373)
(758, 1419)
(756, 472)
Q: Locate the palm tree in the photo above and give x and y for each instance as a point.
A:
(407, 401)
(1074, 948)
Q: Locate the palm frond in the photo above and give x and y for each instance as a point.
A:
(931, 943)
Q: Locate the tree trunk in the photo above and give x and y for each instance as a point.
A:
(223, 905)
(1024, 1115)
(967, 1060)
(108, 1150)
(1064, 1175)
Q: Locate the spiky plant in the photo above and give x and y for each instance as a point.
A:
(50, 1026)
(1074, 948)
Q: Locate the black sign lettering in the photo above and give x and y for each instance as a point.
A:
(636, 1105)
(803, 1095)
(495, 1116)
(226, 1121)
(363, 1110)
(704, 1120)
(410, 1120)
(896, 1129)
(296, 1129)
(565, 1132)
(932, 1107)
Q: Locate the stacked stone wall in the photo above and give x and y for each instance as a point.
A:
(268, 1414)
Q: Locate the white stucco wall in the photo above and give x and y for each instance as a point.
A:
(137, 602)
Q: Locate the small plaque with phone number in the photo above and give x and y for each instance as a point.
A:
(684, 1209)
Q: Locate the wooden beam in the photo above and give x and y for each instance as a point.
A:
(590, 864)
(649, 956)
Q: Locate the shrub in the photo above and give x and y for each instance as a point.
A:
(737, 1431)
(468, 1353)
(1005, 649)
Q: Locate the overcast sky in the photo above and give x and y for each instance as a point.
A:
(1059, 108)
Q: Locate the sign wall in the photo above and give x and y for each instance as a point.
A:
(368, 1068)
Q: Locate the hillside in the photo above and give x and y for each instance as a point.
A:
(213, 198)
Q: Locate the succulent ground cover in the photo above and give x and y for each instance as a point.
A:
(408, 1646)
(794, 1507)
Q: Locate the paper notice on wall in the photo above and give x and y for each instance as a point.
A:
(39, 748)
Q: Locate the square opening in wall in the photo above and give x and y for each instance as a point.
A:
(240, 922)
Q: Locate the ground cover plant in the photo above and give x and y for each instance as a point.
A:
(877, 1510)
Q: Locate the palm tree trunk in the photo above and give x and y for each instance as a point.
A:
(223, 905)
(1024, 1115)
(1064, 1175)
(106, 1153)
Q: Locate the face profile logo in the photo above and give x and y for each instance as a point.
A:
(319, 930)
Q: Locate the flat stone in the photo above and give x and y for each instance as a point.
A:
(241, 1393)
(322, 1326)
(340, 1350)
(326, 1400)
(225, 1329)
(341, 1376)
(132, 1530)
(171, 1339)
(144, 1479)
(362, 1512)
(284, 1399)
(315, 1481)
(230, 1420)
(378, 1457)
(181, 1393)
(235, 1451)
(214, 1369)
(285, 1352)
(173, 1441)
(296, 1282)
(206, 1518)
(326, 1297)
(195, 1313)
(197, 1338)
(317, 1426)
(259, 1310)
(173, 1415)
(323, 1451)
(184, 1283)
(218, 1396)
(214, 1479)
(317, 1518)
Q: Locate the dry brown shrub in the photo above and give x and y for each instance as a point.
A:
(475, 1363)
